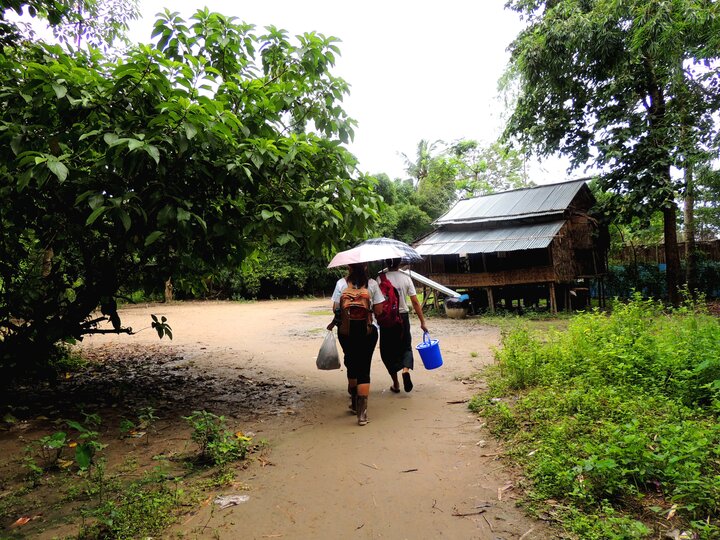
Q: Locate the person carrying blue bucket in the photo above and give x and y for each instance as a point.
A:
(395, 338)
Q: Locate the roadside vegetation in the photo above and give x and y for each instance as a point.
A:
(615, 420)
(67, 483)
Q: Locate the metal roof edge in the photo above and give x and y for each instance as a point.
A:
(584, 180)
(509, 217)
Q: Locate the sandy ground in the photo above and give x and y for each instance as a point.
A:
(424, 467)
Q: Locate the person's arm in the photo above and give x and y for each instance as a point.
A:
(339, 286)
(336, 318)
(377, 297)
(418, 310)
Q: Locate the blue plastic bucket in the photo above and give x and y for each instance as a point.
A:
(429, 351)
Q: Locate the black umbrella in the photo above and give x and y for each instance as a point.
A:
(409, 254)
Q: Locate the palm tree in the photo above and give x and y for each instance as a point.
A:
(418, 169)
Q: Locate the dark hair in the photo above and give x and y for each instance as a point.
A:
(357, 275)
(393, 263)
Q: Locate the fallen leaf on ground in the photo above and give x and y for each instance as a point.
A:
(225, 501)
(19, 522)
(503, 489)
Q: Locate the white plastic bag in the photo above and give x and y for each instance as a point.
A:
(328, 356)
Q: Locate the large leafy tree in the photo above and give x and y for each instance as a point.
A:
(488, 169)
(178, 159)
(403, 217)
(628, 86)
(707, 197)
(96, 23)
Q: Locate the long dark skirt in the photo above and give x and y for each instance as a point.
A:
(396, 346)
(358, 349)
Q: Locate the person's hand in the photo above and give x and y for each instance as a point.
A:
(424, 328)
(331, 325)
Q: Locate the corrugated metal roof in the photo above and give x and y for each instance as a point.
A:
(528, 202)
(444, 242)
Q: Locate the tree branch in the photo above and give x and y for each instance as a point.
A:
(127, 330)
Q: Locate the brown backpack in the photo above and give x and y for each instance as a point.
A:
(354, 306)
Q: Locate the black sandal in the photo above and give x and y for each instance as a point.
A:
(407, 382)
(394, 390)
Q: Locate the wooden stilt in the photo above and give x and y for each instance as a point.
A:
(491, 300)
(553, 300)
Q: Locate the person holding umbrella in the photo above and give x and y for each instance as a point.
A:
(396, 341)
(355, 300)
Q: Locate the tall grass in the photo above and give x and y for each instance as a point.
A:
(616, 419)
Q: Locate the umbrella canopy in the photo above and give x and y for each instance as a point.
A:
(365, 253)
(409, 255)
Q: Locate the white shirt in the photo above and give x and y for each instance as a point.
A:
(405, 286)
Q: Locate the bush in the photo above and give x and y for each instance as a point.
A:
(617, 409)
(649, 280)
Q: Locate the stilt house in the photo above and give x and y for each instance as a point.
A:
(538, 247)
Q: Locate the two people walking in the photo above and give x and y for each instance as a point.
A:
(357, 305)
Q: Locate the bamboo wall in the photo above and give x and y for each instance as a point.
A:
(656, 254)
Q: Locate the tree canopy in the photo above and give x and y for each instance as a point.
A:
(177, 158)
(627, 86)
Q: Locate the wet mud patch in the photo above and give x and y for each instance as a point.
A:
(118, 383)
(119, 380)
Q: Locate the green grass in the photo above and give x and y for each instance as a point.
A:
(615, 419)
(113, 503)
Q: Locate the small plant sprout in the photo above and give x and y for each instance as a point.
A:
(87, 444)
(217, 445)
(146, 421)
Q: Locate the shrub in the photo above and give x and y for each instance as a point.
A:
(614, 409)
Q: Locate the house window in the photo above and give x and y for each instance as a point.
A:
(501, 254)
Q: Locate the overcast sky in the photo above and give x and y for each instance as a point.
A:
(417, 69)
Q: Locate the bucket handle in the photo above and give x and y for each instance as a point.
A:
(426, 338)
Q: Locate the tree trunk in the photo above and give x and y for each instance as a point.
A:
(168, 291)
(672, 257)
(689, 218)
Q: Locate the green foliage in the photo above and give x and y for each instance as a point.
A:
(91, 23)
(47, 453)
(175, 161)
(439, 174)
(65, 360)
(485, 170)
(161, 326)
(649, 280)
(141, 509)
(629, 88)
(142, 426)
(615, 409)
(519, 360)
(645, 278)
(707, 210)
(404, 218)
(277, 272)
(216, 444)
(50, 449)
(87, 444)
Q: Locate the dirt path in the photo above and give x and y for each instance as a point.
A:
(424, 467)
